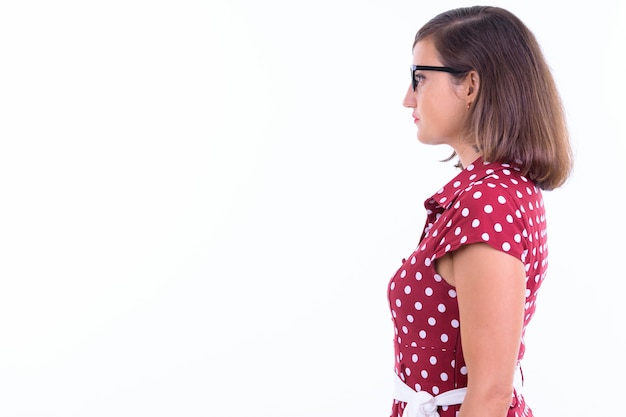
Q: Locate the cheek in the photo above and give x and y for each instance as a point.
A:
(443, 116)
(450, 106)
(434, 110)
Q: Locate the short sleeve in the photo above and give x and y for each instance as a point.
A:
(485, 212)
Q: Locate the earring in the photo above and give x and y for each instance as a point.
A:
(468, 105)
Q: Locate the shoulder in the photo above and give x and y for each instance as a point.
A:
(492, 209)
(501, 188)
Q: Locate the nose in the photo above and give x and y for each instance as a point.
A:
(410, 100)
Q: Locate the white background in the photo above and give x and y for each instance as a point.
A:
(201, 204)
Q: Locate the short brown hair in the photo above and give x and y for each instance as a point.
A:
(517, 116)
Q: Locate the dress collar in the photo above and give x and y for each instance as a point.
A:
(474, 172)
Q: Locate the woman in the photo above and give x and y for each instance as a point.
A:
(460, 303)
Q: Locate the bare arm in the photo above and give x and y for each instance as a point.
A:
(490, 287)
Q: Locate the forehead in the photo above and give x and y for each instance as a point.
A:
(424, 53)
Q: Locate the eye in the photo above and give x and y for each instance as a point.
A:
(417, 78)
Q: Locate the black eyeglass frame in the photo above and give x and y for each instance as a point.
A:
(431, 68)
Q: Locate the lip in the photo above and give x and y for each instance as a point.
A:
(415, 119)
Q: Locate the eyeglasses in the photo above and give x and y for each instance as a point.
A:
(414, 68)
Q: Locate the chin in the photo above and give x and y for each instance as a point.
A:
(424, 139)
(427, 139)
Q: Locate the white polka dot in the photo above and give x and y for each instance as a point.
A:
(422, 334)
(393, 285)
(485, 236)
(410, 318)
(435, 390)
(405, 330)
(403, 274)
(455, 323)
(457, 231)
(418, 305)
(432, 321)
(428, 291)
(444, 337)
(407, 289)
(413, 260)
(407, 371)
(501, 200)
(506, 246)
(441, 308)
(509, 218)
(432, 360)
(497, 227)
(443, 376)
(452, 293)
(488, 208)
(414, 358)
(398, 303)
(477, 195)
(424, 373)
(418, 275)
(456, 184)
(465, 212)
(463, 370)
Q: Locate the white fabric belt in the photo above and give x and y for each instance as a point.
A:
(423, 404)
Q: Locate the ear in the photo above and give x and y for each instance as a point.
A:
(472, 85)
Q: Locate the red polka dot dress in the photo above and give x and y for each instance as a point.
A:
(486, 202)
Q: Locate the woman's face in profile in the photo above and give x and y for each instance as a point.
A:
(439, 106)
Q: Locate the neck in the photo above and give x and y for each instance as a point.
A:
(467, 155)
